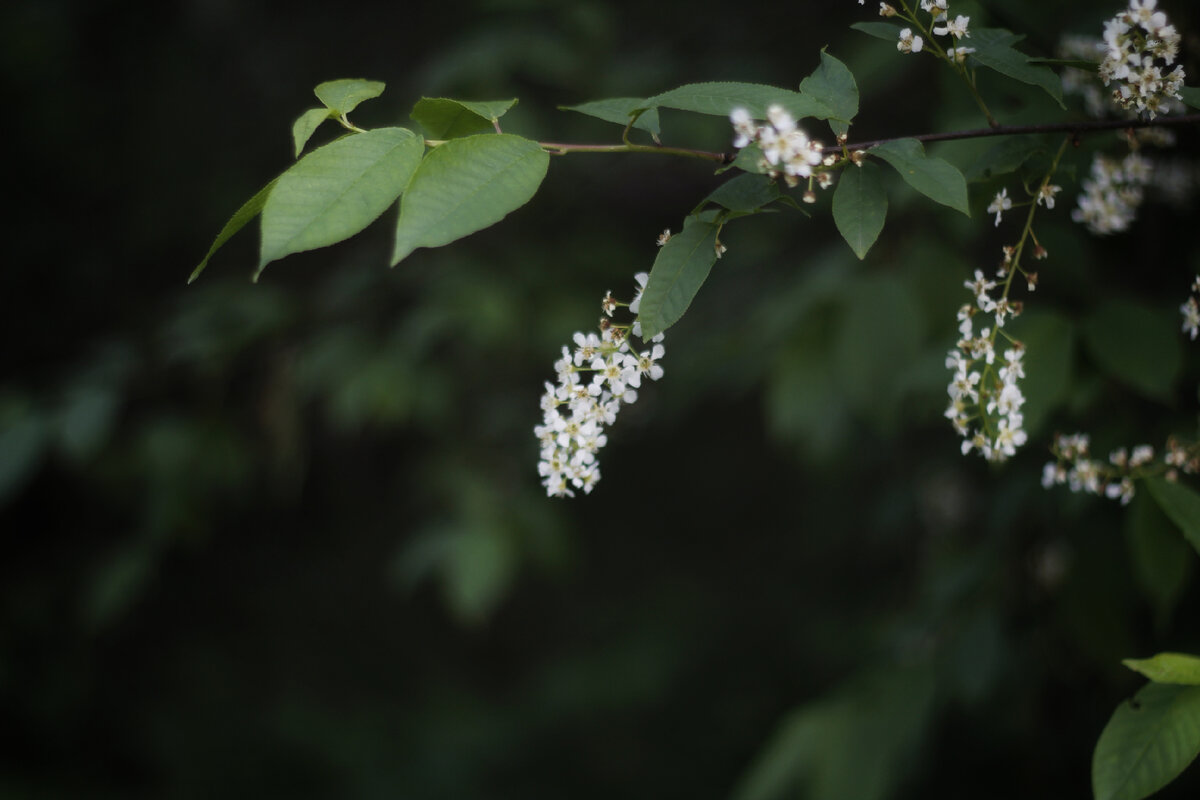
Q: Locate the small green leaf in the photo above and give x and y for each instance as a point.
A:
(743, 193)
(719, 98)
(466, 185)
(1004, 157)
(247, 212)
(306, 125)
(1190, 95)
(443, 118)
(1162, 561)
(1174, 668)
(679, 271)
(618, 110)
(860, 207)
(337, 190)
(833, 84)
(993, 50)
(935, 178)
(343, 96)
(1180, 504)
(1147, 742)
(1135, 344)
(880, 30)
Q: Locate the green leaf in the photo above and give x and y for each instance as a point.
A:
(618, 110)
(719, 98)
(880, 30)
(1049, 340)
(337, 190)
(1174, 668)
(1147, 742)
(1162, 561)
(860, 207)
(343, 96)
(993, 50)
(1136, 345)
(1004, 157)
(935, 178)
(1180, 504)
(466, 185)
(1190, 95)
(443, 118)
(247, 212)
(833, 84)
(306, 124)
(679, 271)
(743, 193)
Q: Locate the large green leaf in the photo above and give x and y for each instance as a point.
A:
(719, 98)
(306, 125)
(1147, 742)
(1175, 668)
(935, 178)
(618, 110)
(679, 271)
(466, 185)
(993, 50)
(343, 96)
(1135, 344)
(337, 190)
(249, 210)
(443, 118)
(1180, 504)
(860, 207)
(833, 84)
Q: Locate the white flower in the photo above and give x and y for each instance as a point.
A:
(1191, 318)
(957, 28)
(1000, 203)
(1046, 194)
(641, 279)
(909, 43)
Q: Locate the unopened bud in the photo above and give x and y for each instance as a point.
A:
(810, 196)
(1031, 280)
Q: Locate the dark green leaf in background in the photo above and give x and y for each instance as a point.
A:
(466, 185)
(1190, 95)
(719, 98)
(679, 271)
(1120, 333)
(993, 50)
(343, 96)
(743, 193)
(1049, 340)
(337, 190)
(1004, 157)
(1162, 560)
(443, 118)
(1180, 504)
(1147, 742)
(860, 207)
(935, 178)
(880, 30)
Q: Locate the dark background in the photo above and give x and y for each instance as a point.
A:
(287, 539)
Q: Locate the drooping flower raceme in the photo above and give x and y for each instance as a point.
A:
(1112, 194)
(1139, 47)
(595, 380)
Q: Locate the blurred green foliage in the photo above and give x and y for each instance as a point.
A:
(288, 538)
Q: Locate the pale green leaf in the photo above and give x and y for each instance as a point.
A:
(443, 118)
(1180, 504)
(306, 125)
(679, 271)
(1175, 668)
(1162, 561)
(1135, 344)
(935, 178)
(343, 96)
(1148, 741)
(833, 84)
(466, 185)
(618, 110)
(860, 207)
(720, 98)
(249, 210)
(880, 30)
(337, 190)
(993, 50)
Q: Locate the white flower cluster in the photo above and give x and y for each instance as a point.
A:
(941, 25)
(1191, 311)
(1112, 194)
(985, 397)
(1139, 45)
(1073, 467)
(576, 412)
(786, 149)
